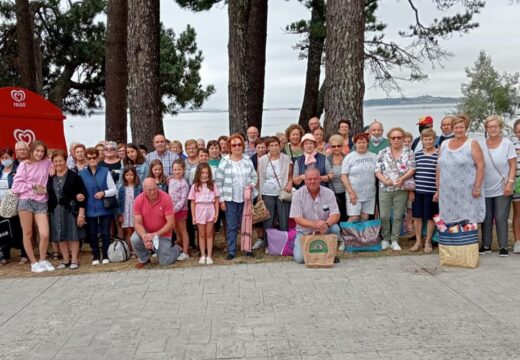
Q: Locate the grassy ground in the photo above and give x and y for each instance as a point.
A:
(14, 269)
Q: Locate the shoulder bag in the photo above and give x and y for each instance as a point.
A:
(260, 211)
(9, 206)
(284, 195)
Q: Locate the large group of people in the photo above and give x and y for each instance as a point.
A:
(158, 200)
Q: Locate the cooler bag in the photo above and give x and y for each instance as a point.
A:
(361, 235)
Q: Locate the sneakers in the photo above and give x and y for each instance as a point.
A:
(516, 248)
(258, 244)
(183, 256)
(385, 245)
(202, 260)
(209, 261)
(503, 252)
(74, 266)
(105, 261)
(95, 262)
(46, 266)
(395, 246)
(484, 250)
(341, 246)
(62, 266)
(36, 268)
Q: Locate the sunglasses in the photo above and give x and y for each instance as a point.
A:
(396, 138)
(91, 158)
(335, 146)
(110, 149)
(236, 145)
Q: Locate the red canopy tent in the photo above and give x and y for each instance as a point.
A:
(26, 116)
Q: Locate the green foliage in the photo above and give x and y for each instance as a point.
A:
(386, 58)
(198, 5)
(180, 66)
(72, 44)
(72, 41)
(489, 93)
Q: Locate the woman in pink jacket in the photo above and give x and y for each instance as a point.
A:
(30, 184)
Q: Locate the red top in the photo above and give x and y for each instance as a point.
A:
(154, 214)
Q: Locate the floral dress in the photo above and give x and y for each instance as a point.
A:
(128, 213)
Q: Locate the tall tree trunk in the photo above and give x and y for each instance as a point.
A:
(256, 44)
(144, 94)
(116, 71)
(246, 52)
(312, 77)
(238, 11)
(25, 37)
(344, 56)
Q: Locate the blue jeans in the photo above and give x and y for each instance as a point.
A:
(298, 251)
(96, 225)
(234, 212)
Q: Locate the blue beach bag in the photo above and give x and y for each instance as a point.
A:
(361, 235)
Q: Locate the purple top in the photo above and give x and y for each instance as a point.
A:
(30, 174)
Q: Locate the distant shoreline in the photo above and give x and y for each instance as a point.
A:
(412, 101)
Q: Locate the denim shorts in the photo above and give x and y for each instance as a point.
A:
(32, 206)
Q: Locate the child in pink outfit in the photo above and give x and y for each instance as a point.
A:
(204, 210)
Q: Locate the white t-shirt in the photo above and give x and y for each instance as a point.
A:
(360, 169)
(493, 185)
(270, 186)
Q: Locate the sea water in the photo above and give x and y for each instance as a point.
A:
(211, 124)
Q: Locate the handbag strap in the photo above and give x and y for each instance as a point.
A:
(494, 165)
(274, 171)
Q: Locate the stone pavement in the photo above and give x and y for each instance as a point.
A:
(372, 308)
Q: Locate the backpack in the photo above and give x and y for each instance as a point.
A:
(118, 251)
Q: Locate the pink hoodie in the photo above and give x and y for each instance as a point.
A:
(28, 175)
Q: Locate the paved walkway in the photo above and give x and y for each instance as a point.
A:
(381, 308)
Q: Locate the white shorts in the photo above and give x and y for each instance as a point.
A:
(366, 207)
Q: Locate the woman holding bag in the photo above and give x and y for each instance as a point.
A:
(99, 185)
(275, 184)
(499, 178)
(235, 172)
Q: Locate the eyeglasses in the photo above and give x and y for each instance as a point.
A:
(236, 145)
(110, 149)
(396, 138)
(91, 158)
(335, 146)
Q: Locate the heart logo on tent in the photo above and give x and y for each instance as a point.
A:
(18, 95)
(26, 136)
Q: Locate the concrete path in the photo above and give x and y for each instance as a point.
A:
(381, 308)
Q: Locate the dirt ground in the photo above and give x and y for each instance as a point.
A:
(14, 269)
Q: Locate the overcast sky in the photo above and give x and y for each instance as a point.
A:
(498, 35)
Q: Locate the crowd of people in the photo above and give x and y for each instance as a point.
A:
(157, 201)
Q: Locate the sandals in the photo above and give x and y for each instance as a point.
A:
(416, 247)
(73, 266)
(63, 266)
(428, 248)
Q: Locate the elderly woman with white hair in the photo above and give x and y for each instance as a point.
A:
(499, 178)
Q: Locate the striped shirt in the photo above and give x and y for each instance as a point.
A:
(304, 206)
(425, 169)
(167, 159)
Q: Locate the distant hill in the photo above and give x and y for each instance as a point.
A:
(419, 100)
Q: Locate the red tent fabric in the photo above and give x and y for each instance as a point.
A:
(26, 116)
